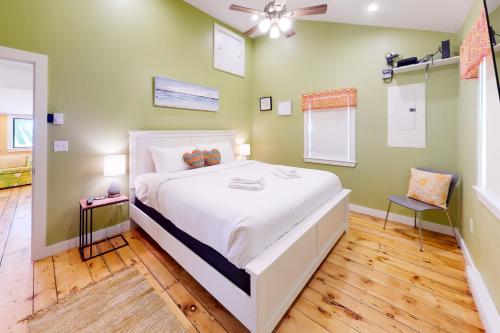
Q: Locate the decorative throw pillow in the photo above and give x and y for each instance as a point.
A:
(225, 148)
(194, 159)
(429, 187)
(212, 157)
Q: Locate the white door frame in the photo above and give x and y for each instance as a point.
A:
(39, 194)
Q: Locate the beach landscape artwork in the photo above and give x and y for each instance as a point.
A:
(182, 95)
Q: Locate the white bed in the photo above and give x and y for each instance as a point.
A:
(239, 224)
(279, 235)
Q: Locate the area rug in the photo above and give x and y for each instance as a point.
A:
(124, 302)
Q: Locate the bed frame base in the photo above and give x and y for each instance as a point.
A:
(277, 276)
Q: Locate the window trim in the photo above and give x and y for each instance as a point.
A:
(10, 133)
(490, 200)
(351, 120)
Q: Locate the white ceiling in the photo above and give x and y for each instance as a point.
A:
(434, 15)
(16, 75)
(16, 87)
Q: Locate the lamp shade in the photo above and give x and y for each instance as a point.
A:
(114, 165)
(245, 149)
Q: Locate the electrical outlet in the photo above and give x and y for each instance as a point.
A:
(471, 225)
(60, 146)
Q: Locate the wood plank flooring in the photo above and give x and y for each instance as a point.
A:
(372, 281)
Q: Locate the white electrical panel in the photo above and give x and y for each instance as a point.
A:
(406, 116)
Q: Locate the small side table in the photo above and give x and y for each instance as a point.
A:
(86, 212)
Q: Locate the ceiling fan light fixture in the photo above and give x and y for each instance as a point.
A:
(373, 7)
(285, 24)
(275, 31)
(255, 17)
(264, 25)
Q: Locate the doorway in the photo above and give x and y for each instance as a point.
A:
(23, 152)
(16, 143)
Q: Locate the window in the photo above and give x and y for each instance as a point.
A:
(488, 158)
(20, 133)
(329, 127)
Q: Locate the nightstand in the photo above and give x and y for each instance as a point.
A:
(86, 226)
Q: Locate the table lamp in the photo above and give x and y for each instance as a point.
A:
(114, 165)
(244, 150)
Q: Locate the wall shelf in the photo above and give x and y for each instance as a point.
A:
(436, 63)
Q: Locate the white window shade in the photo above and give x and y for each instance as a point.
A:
(488, 187)
(329, 135)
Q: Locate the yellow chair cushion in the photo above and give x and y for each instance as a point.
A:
(431, 188)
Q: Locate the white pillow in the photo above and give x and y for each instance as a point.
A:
(170, 159)
(225, 149)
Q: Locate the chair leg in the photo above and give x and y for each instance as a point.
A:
(415, 220)
(387, 215)
(420, 229)
(452, 227)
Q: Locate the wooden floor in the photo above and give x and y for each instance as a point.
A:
(372, 281)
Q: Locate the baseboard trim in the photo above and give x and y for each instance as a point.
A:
(74, 242)
(484, 303)
(442, 229)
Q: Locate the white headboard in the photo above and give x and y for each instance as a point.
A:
(140, 160)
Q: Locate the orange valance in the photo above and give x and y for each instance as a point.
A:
(475, 47)
(330, 99)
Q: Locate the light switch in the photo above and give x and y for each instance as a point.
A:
(61, 146)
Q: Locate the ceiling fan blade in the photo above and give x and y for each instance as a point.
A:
(314, 10)
(290, 33)
(245, 9)
(252, 30)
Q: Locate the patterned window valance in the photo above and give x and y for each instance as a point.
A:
(474, 48)
(331, 99)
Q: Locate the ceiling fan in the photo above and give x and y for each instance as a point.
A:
(277, 17)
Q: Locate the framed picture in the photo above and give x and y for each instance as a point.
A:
(266, 104)
(182, 95)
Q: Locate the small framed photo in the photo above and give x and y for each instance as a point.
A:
(266, 104)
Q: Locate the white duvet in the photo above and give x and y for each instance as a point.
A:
(238, 224)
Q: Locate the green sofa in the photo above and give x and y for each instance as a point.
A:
(15, 170)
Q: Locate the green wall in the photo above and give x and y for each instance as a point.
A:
(482, 238)
(329, 56)
(102, 57)
(104, 53)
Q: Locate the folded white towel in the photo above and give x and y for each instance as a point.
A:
(286, 176)
(247, 181)
(287, 171)
(248, 187)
